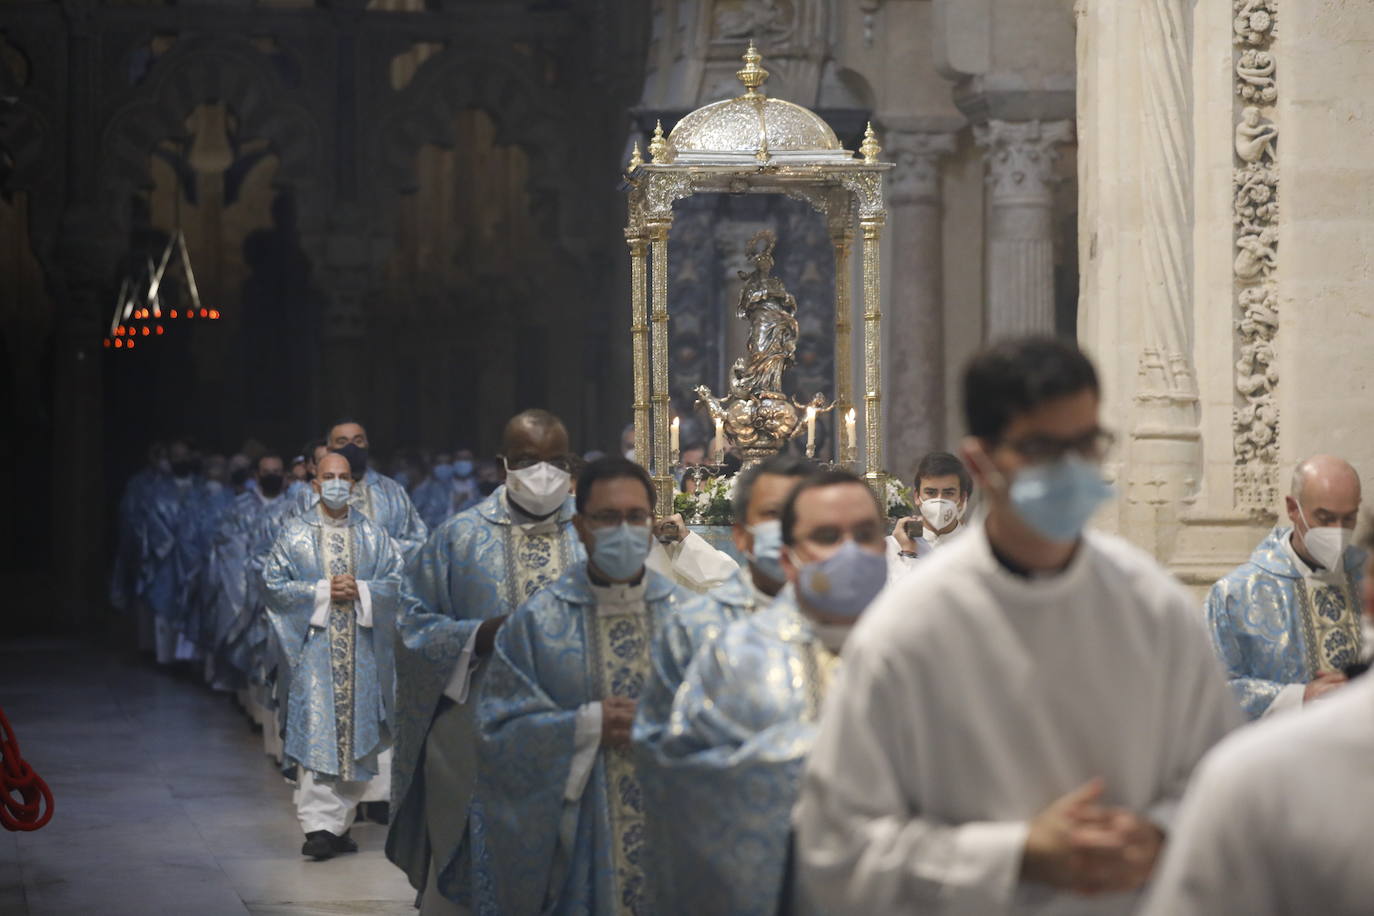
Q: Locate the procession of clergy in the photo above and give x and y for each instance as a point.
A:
(576, 708)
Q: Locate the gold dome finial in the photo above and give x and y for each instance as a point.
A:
(870, 148)
(658, 147)
(752, 75)
(635, 159)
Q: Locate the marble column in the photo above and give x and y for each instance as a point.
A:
(915, 322)
(1020, 230)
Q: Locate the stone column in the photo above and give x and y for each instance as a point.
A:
(1020, 230)
(349, 252)
(915, 321)
(85, 264)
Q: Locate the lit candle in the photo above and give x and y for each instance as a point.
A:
(811, 432)
(851, 437)
(675, 441)
(720, 442)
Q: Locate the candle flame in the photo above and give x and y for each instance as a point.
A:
(851, 415)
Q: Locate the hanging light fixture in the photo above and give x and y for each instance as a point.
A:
(139, 309)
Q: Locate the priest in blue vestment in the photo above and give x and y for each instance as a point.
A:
(228, 574)
(1287, 622)
(556, 824)
(721, 777)
(377, 496)
(126, 579)
(333, 582)
(471, 574)
(759, 495)
(433, 496)
(253, 646)
(176, 547)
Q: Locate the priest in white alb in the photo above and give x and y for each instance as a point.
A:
(1018, 718)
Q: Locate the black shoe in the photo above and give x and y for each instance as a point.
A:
(343, 843)
(320, 845)
(378, 812)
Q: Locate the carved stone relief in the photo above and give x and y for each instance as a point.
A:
(1255, 422)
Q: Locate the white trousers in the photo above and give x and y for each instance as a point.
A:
(331, 805)
(326, 805)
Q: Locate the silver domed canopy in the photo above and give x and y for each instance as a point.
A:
(752, 127)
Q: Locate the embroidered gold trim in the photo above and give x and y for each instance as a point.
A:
(1331, 626)
(620, 650)
(343, 637)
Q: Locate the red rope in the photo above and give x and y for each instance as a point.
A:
(33, 806)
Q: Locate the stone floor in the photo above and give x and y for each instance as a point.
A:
(165, 802)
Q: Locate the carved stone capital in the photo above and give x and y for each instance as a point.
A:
(916, 179)
(1021, 156)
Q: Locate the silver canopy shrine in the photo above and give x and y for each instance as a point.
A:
(753, 144)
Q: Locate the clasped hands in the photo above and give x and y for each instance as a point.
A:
(343, 588)
(617, 718)
(1080, 845)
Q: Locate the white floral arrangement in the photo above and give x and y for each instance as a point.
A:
(900, 500)
(711, 504)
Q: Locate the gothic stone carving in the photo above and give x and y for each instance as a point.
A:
(1256, 418)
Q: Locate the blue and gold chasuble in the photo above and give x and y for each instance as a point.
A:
(675, 645)
(1273, 626)
(342, 674)
(481, 563)
(532, 849)
(720, 781)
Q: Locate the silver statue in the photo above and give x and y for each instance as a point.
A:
(757, 417)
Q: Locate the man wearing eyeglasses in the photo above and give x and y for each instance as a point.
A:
(727, 769)
(557, 821)
(1019, 716)
(1286, 624)
(474, 570)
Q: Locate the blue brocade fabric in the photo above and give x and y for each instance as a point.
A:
(1264, 626)
(720, 781)
(531, 850)
(477, 565)
(295, 565)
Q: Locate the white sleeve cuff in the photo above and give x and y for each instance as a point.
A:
(701, 566)
(1289, 698)
(364, 604)
(586, 742)
(320, 618)
(987, 857)
(460, 680)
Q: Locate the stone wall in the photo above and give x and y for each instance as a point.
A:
(1225, 224)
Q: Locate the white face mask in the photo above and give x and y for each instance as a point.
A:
(1327, 545)
(539, 490)
(939, 514)
(832, 635)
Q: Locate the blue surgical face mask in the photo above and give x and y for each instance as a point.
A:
(843, 584)
(1058, 498)
(767, 554)
(619, 552)
(443, 472)
(335, 492)
(463, 468)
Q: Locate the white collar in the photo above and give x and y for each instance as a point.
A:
(619, 598)
(934, 540)
(329, 520)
